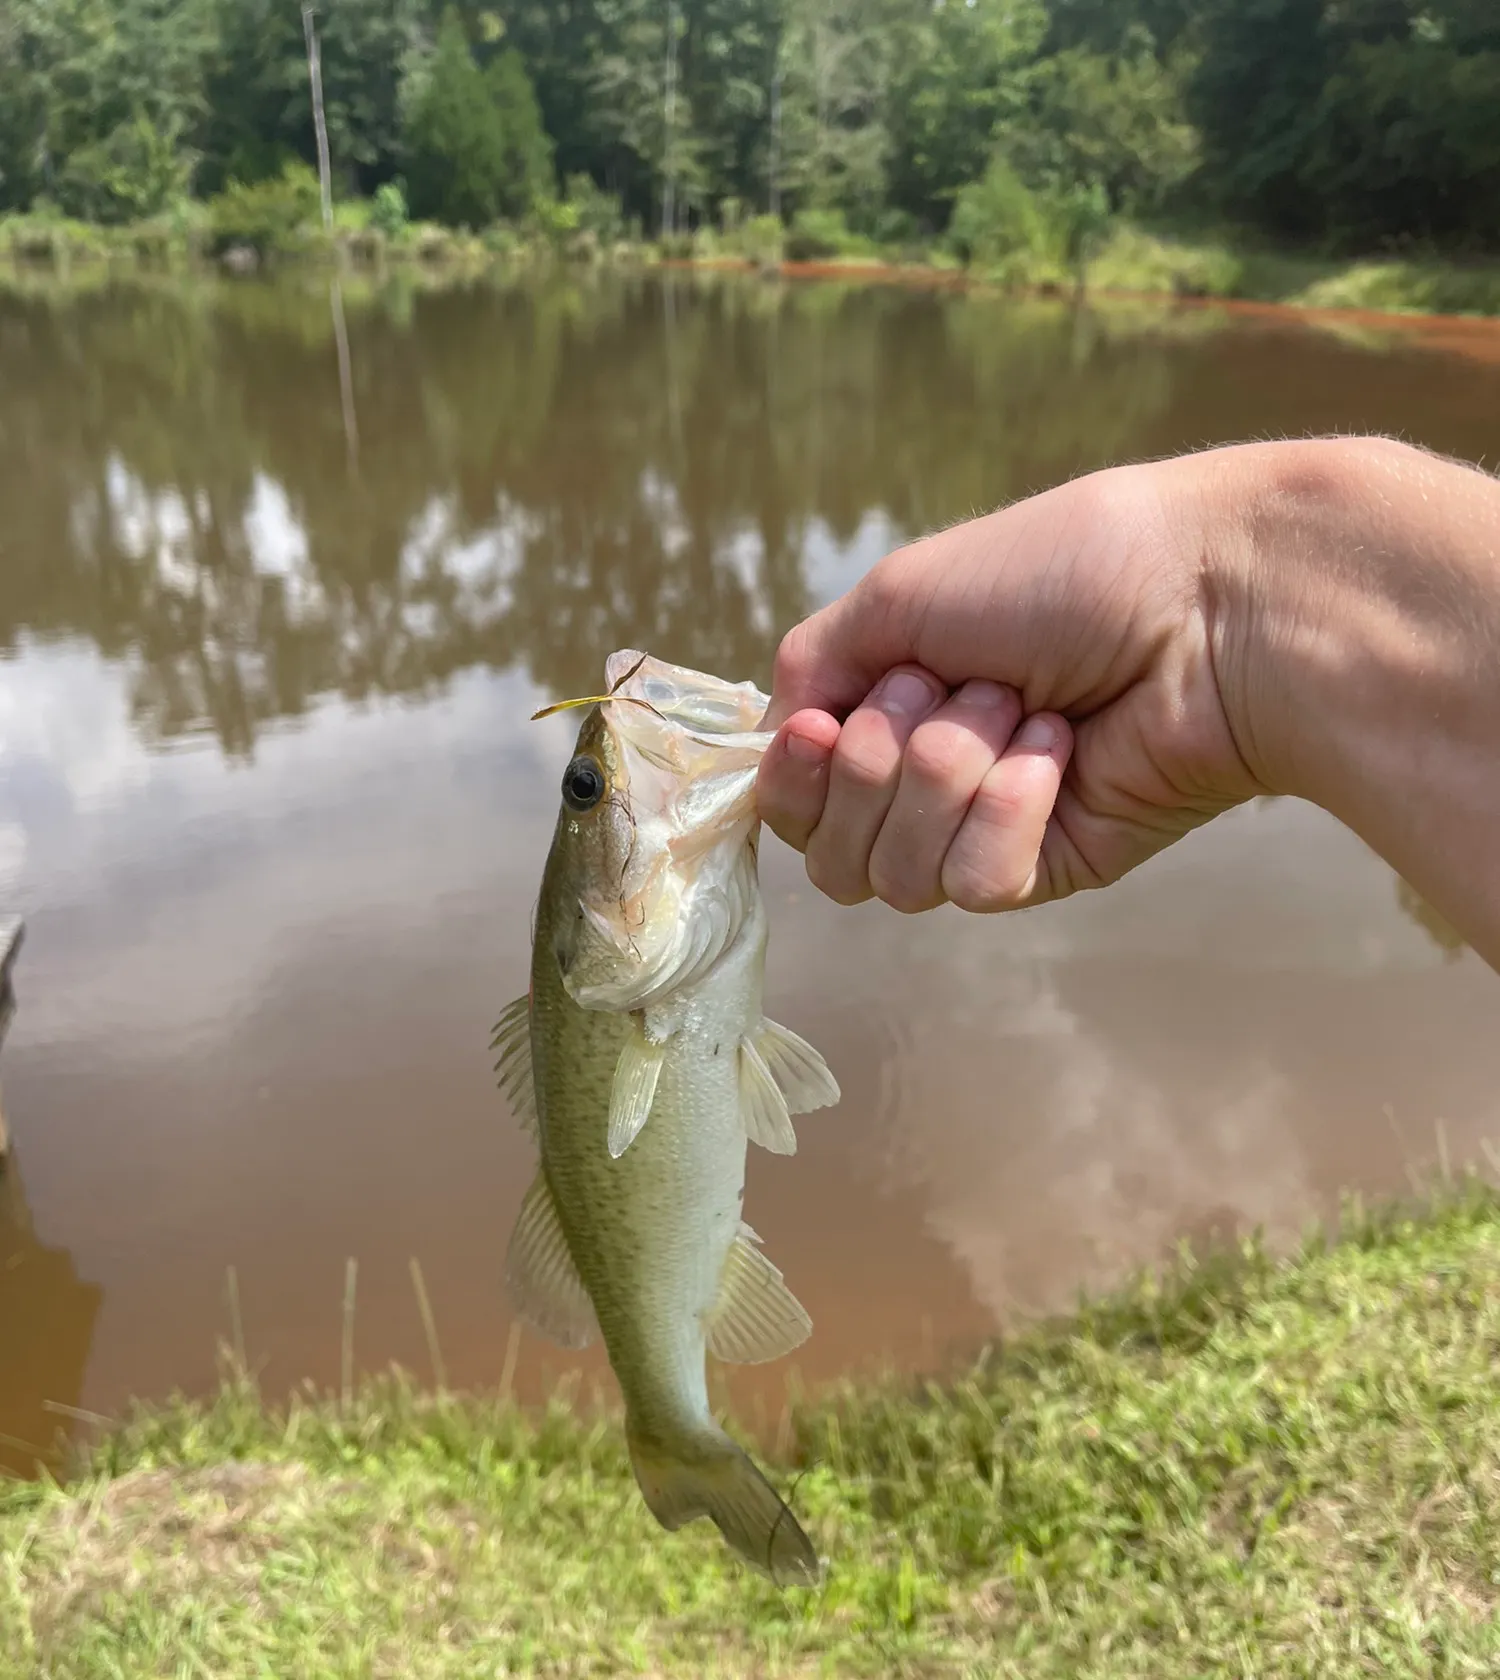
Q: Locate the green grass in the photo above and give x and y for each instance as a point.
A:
(1135, 260)
(1255, 1468)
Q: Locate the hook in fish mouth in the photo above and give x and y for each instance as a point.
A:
(601, 699)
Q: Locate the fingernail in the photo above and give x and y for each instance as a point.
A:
(1040, 734)
(989, 695)
(804, 750)
(903, 694)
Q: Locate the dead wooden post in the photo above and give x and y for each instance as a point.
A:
(320, 127)
(12, 932)
(325, 188)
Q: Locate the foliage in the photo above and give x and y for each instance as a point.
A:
(761, 239)
(595, 212)
(388, 210)
(134, 172)
(453, 136)
(474, 143)
(1362, 125)
(817, 235)
(265, 215)
(997, 218)
(1116, 119)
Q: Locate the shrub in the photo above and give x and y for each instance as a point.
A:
(761, 240)
(265, 215)
(388, 212)
(134, 172)
(817, 235)
(595, 211)
(997, 219)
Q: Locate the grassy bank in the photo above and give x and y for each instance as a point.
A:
(1254, 1469)
(1135, 260)
(1128, 259)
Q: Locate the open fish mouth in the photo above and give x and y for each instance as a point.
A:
(684, 754)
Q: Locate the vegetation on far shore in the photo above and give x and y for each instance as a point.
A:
(1253, 1467)
(371, 237)
(1328, 152)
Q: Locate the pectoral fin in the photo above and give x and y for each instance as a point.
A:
(799, 1070)
(512, 1039)
(633, 1091)
(540, 1274)
(756, 1317)
(762, 1106)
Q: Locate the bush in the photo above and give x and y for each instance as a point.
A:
(595, 211)
(997, 220)
(1078, 219)
(136, 171)
(761, 240)
(266, 215)
(816, 234)
(388, 212)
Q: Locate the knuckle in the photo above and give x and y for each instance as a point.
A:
(866, 756)
(831, 878)
(896, 887)
(935, 754)
(999, 804)
(793, 660)
(984, 887)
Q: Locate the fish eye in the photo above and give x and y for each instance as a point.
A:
(582, 784)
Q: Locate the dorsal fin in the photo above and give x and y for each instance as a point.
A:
(512, 1038)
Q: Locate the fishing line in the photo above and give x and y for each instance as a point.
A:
(785, 1511)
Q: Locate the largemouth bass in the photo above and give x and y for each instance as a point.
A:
(644, 1063)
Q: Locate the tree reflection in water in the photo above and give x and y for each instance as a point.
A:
(547, 472)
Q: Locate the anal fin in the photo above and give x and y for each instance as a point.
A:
(762, 1105)
(804, 1077)
(756, 1317)
(540, 1274)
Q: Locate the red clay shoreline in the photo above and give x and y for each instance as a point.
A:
(1479, 334)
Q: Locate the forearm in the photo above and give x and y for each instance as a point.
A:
(1356, 623)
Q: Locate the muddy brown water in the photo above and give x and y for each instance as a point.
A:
(272, 807)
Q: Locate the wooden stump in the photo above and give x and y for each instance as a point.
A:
(12, 932)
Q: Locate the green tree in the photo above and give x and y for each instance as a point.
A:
(835, 65)
(526, 151)
(454, 136)
(112, 88)
(1116, 120)
(959, 71)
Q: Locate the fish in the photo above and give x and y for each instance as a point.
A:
(641, 1061)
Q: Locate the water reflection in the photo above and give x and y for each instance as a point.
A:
(47, 1318)
(272, 805)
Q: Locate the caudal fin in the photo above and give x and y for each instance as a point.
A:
(712, 1477)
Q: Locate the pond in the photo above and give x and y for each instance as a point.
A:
(273, 809)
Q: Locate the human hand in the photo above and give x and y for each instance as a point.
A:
(1020, 706)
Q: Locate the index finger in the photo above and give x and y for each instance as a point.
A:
(830, 661)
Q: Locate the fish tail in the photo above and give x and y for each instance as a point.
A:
(709, 1476)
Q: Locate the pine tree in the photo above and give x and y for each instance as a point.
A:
(455, 139)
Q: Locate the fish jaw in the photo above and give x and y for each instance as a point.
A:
(684, 781)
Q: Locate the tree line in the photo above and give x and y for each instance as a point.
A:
(1347, 124)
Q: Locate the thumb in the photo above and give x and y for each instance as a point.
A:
(831, 661)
